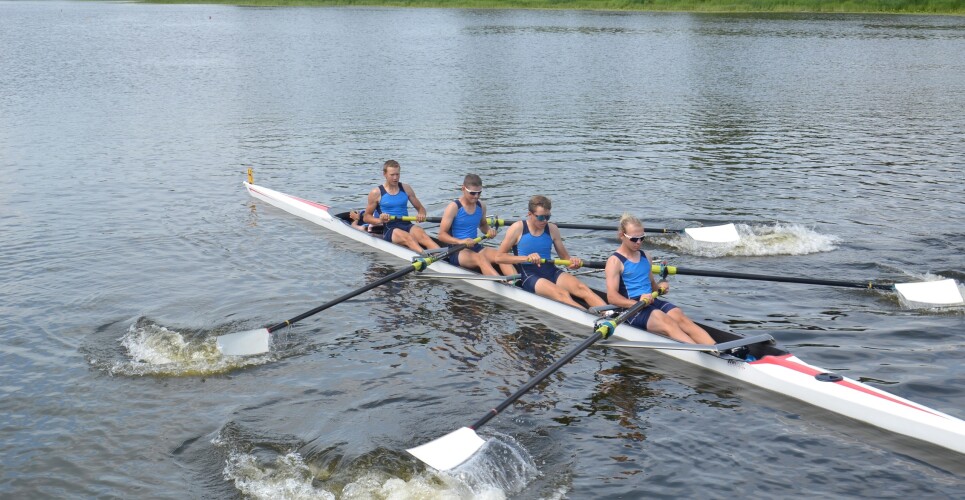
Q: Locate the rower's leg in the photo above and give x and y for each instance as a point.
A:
(422, 237)
(577, 288)
(472, 260)
(693, 330)
(490, 255)
(402, 238)
(662, 324)
(550, 290)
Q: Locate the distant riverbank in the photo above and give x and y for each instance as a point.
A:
(808, 6)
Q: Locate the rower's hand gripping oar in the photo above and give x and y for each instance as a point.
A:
(252, 342)
(724, 233)
(935, 293)
(456, 447)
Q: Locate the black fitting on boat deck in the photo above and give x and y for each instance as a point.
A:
(829, 377)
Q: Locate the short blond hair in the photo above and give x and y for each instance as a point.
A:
(390, 164)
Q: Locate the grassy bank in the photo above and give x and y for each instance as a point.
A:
(831, 6)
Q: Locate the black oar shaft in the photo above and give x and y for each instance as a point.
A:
(599, 264)
(537, 379)
(783, 279)
(418, 265)
(561, 225)
(343, 298)
(599, 333)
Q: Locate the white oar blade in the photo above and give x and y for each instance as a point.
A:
(449, 450)
(942, 292)
(245, 343)
(726, 233)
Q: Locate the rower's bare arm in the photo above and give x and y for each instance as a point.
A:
(414, 200)
(484, 224)
(373, 202)
(575, 262)
(504, 254)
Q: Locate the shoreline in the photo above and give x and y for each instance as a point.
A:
(911, 7)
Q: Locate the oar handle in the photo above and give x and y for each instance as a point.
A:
(556, 262)
(412, 218)
(602, 331)
(418, 264)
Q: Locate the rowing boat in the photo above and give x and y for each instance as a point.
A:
(768, 366)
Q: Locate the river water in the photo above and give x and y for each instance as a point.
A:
(835, 143)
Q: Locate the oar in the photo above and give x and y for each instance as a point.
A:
(479, 277)
(456, 447)
(938, 293)
(725, 233)
(251, 342)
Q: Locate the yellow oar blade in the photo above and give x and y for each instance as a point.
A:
(726, 233)
(450, 450)
(940, 293)
(245, 343)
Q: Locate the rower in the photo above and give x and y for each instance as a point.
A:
(392, 199)
(629, 279)
(357, 222)
(462, 219)
(531, 240)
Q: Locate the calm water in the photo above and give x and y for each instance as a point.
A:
(835, 142)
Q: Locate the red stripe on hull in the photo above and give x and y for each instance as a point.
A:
(785, 362)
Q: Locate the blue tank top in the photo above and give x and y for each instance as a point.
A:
(635, 279)
(393, 204)
(542, 244)
(465, 224)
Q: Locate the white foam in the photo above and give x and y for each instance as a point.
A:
(757, 240)
(153, 349)
(501, 468)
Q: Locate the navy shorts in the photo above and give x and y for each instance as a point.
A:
(454, 258)
(529, 279)
(404, 226)
(640, 319)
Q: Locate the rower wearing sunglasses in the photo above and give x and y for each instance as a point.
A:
(629, 279)
(461, 221)
(531, 240)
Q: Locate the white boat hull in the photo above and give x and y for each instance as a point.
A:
(784, 373)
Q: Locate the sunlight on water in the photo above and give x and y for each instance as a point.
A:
(779, 239)
(152, 349)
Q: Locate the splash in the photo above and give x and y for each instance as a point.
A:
(778, 239)
(501, 461)
(150, 349)
(289, 476)
(501, 468)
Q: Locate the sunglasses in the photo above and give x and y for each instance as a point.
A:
(542, 218)
(474, 193)
(635, 239)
